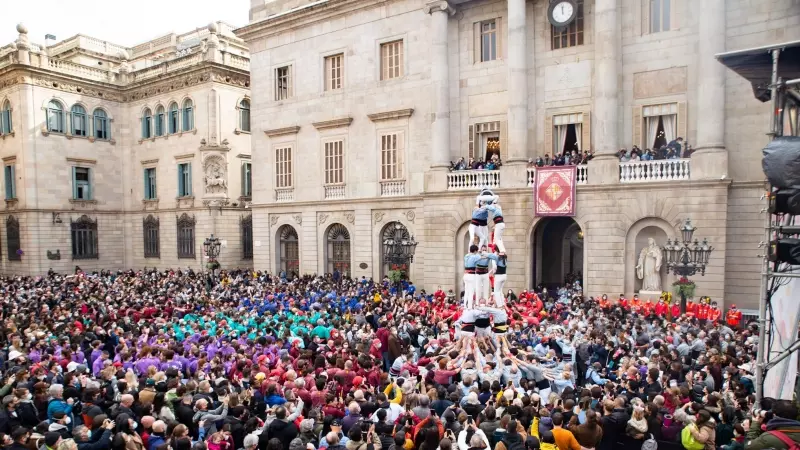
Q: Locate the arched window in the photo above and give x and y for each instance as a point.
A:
(84, 238)
(338, 249)
(101, 128)
(55, 117)
(288, 250)
(147, 124)
(12, 239)
(6, 126)
(78, 120)
(160, 116)
(244, 115)
(173, 118)
(188, 115)
(152, 247)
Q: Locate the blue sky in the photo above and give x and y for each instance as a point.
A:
(119, 21)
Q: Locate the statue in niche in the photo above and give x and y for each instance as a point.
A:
(215, 175)
(648, 268)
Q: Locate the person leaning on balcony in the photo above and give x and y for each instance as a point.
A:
(547, 160)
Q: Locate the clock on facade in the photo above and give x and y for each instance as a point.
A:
(562, 12)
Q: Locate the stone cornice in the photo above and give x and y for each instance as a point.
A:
(333, 123)
(391, 115)
(203, 72)
(81, 160)
(439, 5)
(184, 156)
(302, 17)
(282, 131)
(146, 162)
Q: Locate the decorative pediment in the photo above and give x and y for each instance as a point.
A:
(391, 115)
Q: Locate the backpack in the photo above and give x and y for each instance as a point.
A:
(650, 443)
(790, 444)
(519, 445)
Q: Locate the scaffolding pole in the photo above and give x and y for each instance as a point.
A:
(761, 356)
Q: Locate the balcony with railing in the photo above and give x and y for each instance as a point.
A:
(472, 179)
(650, 171)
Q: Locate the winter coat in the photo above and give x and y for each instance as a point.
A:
(284, 431)
(790, 428)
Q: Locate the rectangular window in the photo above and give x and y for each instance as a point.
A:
(333, 72)
(489, 40)
(247, 179)
(392, 60)
(81, 183)
(84, 239)
(150, 192)
(283, 167)
(247, 237)
(659, 15)
(184, 179)
(11, 182)
(283, 83)
(572, 34)
(392, 149)
(334, 162)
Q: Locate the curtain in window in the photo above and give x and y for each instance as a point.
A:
(652, 130)
(578, 135)
(561, 132)
(670, 123)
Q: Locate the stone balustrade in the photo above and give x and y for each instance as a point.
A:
(658, 170)
(284, 195)
(471, 180)
(334, 192)
(393, 188)
(581, 177)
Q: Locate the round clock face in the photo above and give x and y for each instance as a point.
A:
(563, 11)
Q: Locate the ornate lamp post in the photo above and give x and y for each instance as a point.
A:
(399, 247)
(212, 246)
(686, 258)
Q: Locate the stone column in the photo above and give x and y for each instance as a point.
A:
(440, 12)
(710, 160)
(517, 84)
(604, 168)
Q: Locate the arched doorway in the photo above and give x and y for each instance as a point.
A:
(288, 255)
(557, 256)
(337, 249)
(393, 231)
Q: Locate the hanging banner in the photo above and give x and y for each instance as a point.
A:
(780, 380)
(554, 191)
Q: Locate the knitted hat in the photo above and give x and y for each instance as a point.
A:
(297, 444)
(51, 438)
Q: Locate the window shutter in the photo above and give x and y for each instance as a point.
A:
(13, 181)
(244, 180)
(74, 184)
(504, 141)
(586, 130)
(682, 121)
(548, 134)
(8, 182)
(471, 140)
(500, 39)
(90, 176)
(290, 92)
(645, 25)
(189, 188)
(637, 125)
(147, 194)
(181, 188)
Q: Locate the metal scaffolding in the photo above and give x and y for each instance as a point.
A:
(774, 73)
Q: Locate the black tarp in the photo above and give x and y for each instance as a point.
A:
(755, 65)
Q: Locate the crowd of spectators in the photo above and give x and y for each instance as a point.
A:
(164, 360)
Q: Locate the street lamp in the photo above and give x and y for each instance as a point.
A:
(687, 258)
(212, 245)
(398, 247)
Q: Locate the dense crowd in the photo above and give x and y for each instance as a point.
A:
(169, 360)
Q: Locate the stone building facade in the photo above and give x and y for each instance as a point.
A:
(92, 139)
(359, 106)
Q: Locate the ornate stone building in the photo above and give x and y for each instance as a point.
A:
(360, 105)
(119, 157)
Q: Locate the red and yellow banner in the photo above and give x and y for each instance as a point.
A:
(554, 191)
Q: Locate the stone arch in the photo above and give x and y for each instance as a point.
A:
(392, 228)
(556, 249)
(337, 249)
(461, 241)
(636, 239)
(287, 250)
